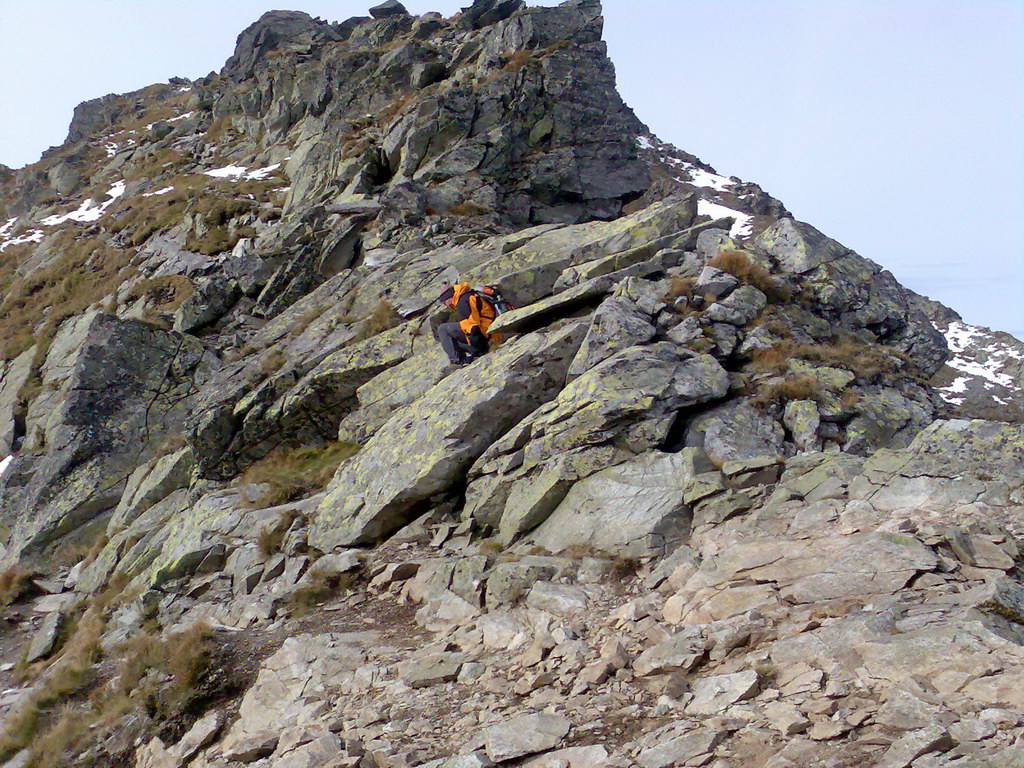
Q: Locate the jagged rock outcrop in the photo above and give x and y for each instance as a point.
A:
(113, 391)
(701, 506)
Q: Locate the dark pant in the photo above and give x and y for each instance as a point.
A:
(453, 342)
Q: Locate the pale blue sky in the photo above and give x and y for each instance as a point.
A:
(893, 126)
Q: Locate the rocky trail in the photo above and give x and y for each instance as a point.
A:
(725, 494)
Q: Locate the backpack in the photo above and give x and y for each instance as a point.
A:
(494, 296)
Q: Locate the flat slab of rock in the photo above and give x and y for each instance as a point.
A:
(680, 750)
(432, 670)
(557, 599)
(713, 694)
(525, 735)
(678, 654)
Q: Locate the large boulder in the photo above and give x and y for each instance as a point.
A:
(622, 407)
(736, 431)
(633, 509)
(427, 447)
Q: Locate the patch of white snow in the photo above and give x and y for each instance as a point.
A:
(87, 211)
(4, 464)
(227, 172)
(262, 173)
(702, 178)
(180, 117)
(163, 191)
(742, 225)
(7, 227)
(32, 236)
(644, 143)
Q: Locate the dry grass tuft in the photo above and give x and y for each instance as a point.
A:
(15, 583)
(469, 208)
(32, 306)
(322, 586)
(293, 472)
(869, 363)
(803, 387)
(271, 537)
(382, 318)
(680, 288)
(740, 265)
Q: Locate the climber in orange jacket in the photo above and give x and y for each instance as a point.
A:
(466, 339)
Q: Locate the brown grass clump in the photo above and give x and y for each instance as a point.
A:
(382, 318)
(740, 265)
(680, 288)
(468, 208)
(293, 472)
(166, 293)
(803, 387)
(519, 59)
(869, 363)
(271, 537)
(272, 362)
(322, 586)
(15, 583)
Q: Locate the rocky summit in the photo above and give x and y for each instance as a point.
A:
(725, 494)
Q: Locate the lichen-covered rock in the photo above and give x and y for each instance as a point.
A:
(735, 431)
(617, 324)
(118, 387)
(633, 509)
(623, 406)
(853, 291)
(428, 445)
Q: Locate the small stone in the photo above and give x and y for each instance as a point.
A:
(614, 652)
(557, 599)
(681, 653)
(681, 750)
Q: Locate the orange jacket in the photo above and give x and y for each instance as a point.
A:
(472, 310)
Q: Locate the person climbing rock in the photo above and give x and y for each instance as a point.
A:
(467, 338)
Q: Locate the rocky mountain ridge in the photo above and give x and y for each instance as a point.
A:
(705, 504)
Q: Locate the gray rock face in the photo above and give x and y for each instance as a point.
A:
(632, 509)
(12, 379)
(854, 292)
(735, 431)
(618, 323)
(389, 8)
(120, 386)
(624, 405)
(525, 735)
(425, 447)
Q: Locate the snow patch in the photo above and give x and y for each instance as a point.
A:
(228, 172)
(262, 173)
(8, 226)
(644, 143)
(181, 117)
(4, 464)
(32, 236)
(163, 191)
(742, 225)
(88, 210)
(702, 178)
(975, 359)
